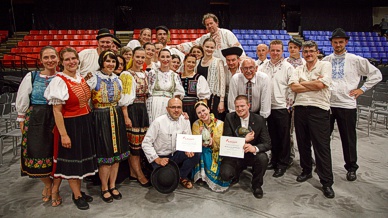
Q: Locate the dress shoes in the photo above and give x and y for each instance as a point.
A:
(87, 198)
(328, 192)
(270, 166)
(106, 199)
(146, 185)
(351, 176)
(303, 177)
(116, 197)
(258, 193)
(278, 173)
(81, 203)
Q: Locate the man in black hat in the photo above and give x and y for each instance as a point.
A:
(280, 71)
(232, 57)
(116, 45)
(89, 57)
(254, 84)
(257, 143)
(311, 82)
(159, 144)
(163, 36)
(224, 38)
(347, 70)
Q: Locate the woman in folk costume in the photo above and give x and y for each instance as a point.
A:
(74, 151)
(109, 111)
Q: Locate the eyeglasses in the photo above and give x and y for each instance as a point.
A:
(175, 107)
(248, 68)
(308, 51)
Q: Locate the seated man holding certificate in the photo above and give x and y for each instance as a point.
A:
(159, 144)
(242, 123)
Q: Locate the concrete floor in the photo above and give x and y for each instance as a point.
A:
(283, 197)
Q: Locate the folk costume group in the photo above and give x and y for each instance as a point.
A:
(104, 107)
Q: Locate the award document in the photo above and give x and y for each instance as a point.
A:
(232, 146)
(189, 143)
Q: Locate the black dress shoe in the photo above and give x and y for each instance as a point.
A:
(108, 199)
(87, 198)
(270, 166)
(132, 178)
(303, 177)
(116, 197)
(278, 173)
(258, 192)
(351, 176)
(81, 203)
(328, 192)
(146, 185)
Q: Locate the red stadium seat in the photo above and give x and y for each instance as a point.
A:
(136, 31)
(153, 36)
(64, 43)
(174, 31)
(174, 36)
(43, 43)
(185, 40)
(28, 37)
(68, 36)
(182, 31)
(62, 32)
(8, 61)
(34, 32)
(77, 37)
(23, 43)
(72, 32)
(54, 43)
(184, 36)
(15, 50)
(81, 32)
(84, 43)
(88, 37)
(194, 36)
(58, 48)
(201, 31)
(52, 32)
(191, 31)
(33, 43)
(74, 43)
(36, 49)
(175, 42)
(26, 50)
(58, 37)
(153, 31)
(38, 37)
(90, 32)
(78, 49)
(43, 32)
(48, 37)
(94, 42)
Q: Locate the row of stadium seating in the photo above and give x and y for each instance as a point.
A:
(328, 33)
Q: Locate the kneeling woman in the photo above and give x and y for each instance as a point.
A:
(74, 153)
(108, 120)
(208, 168)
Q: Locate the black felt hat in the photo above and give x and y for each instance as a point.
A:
(166, 179)
(339, 33)
(232, 51)
(104, 32)
(296, 42)
(162, 28)
(116, 41)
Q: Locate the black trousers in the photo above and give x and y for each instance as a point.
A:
(279, 130)
(231, 168)
(213, 105)
(312, 125)
(346, 122)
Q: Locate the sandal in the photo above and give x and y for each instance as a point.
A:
(186, 183)
(56, 199)
(116, 197)
(46, 197)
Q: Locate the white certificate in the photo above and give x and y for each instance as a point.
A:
(232, 146)
(189, 143)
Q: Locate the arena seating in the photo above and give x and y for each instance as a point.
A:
(177, 36)
(3, 35)
(365, 44)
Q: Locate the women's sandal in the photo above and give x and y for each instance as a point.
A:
(116, 197)
(56, 199)
(108, 199)
(46, 197)
(186, 183)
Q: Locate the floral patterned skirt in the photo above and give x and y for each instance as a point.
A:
(37, 142)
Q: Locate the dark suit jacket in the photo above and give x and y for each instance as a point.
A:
(256, 122)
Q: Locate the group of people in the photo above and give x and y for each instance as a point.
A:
(113, 103)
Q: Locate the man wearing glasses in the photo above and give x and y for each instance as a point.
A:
(159, 144)
(311, 82)
(347, 70)
(279, 71)
(255, 85)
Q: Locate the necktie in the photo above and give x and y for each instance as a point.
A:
(249, 92)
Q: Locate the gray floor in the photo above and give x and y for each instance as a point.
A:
(283, 197)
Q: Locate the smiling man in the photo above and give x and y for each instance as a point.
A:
(347, 71)
(280, 71)
(89, 57)
(261, 51)
(311, 82)
(257, 142)
(255, 85)
(224, 38)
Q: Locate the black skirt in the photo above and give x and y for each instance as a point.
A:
(137, 112)
(213, 105)
(111, 137)
(79, 161)
(37, 142)
(188, 107)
